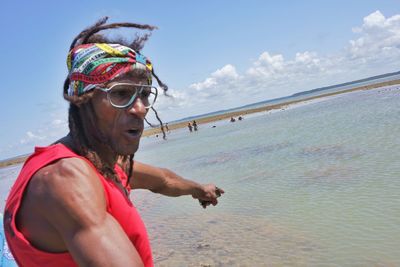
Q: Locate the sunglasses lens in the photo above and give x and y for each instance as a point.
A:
(120, 95)
(148, 96)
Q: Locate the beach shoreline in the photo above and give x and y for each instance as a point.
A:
(228, 115)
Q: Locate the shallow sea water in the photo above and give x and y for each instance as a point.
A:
(311, 185)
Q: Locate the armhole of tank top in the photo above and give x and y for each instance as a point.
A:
(18, 204)
(14, 227)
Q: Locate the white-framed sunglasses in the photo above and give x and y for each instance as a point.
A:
(122, 95)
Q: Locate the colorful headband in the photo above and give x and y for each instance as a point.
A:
(93, 64)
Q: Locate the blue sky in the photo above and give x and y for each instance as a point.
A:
(212, 54)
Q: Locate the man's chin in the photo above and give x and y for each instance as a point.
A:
(128, 149)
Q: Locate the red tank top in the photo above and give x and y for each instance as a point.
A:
(118, 205)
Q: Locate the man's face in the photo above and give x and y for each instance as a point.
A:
(120, 128)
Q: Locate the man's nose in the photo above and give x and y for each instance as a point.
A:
(138, 108)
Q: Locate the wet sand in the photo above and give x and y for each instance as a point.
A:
(13, 161)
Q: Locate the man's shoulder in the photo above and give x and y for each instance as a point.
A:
(65, 193)
(62, 178)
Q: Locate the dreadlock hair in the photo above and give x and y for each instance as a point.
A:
(81, 118)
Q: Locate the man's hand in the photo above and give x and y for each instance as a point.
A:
(208, 195)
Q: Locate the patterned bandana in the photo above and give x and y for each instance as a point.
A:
(93, 64)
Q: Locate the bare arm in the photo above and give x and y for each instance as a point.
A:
(166, 182)
(71, 198)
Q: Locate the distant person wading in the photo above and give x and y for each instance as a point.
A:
(194, 125)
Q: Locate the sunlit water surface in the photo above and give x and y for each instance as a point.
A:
(312, 185)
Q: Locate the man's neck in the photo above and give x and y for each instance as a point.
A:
(107, 155)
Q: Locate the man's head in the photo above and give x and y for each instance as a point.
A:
(108, 87)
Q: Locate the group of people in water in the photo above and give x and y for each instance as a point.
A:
(233, 119)
(192, 126)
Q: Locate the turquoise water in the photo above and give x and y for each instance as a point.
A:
(312, 185)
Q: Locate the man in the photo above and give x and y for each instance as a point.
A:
(70, 204)
(194, 125)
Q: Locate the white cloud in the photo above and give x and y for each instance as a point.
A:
(58, 122)
(174, 99)
(380, 37)
(45, 135)
(226, 74)
(274, 63)
(375, 19)
(30, 137)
